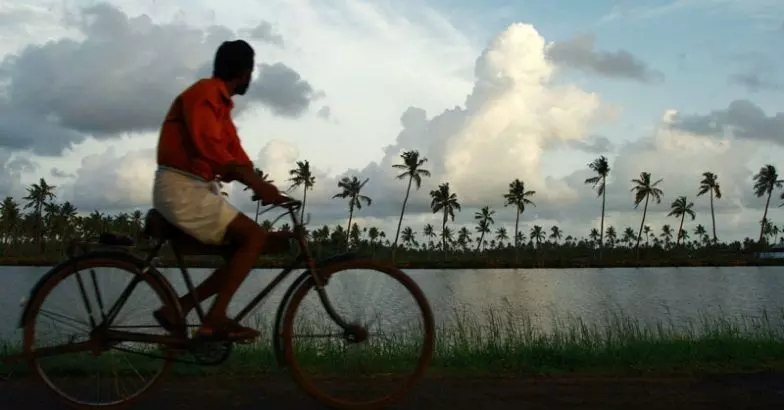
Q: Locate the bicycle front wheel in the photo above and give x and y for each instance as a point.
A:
(345, 371)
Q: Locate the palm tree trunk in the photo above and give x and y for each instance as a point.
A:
(348, 230)
(765, 216)
(517, 245)
(258, 207)
(601, 226)
(639, 234)
(680, 230)
(713, 217)
(443, 234)
(304, 200)
(400, 221)
(479, 245)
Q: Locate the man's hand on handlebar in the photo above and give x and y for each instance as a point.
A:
(280, 200)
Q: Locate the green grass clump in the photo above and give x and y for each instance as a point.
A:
(498, 341)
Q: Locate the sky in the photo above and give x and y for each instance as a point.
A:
(487, 91)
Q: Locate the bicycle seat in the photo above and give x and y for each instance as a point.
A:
(156, 226)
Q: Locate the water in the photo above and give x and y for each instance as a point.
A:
(672, 294)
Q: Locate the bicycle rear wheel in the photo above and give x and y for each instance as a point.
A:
(119, 372)
(344, 371)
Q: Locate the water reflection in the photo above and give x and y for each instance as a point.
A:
(649, 294)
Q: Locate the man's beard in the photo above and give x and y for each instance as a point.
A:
(242, 88)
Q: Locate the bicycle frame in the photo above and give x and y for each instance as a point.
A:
(305, 258)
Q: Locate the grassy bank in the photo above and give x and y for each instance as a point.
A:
(485, 263)
(498, 342)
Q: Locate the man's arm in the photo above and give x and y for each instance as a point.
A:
(247, 176)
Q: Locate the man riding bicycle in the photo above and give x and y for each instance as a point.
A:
(198, 145)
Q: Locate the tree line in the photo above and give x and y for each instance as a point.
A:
(48, 225)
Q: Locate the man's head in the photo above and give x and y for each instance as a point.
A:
(234, 65)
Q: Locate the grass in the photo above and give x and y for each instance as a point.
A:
(498, 342)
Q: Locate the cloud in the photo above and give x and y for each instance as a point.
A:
(283, 90)
(11, 168)
(112, 181)
(755, 82)
(742, 118)
(595, 144)
(758, 72)
(579, 53)
(59, 173)
(265, 32)
(513, 112)
(118, 76)
(325, 112)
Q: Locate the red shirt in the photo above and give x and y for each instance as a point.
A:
(198, 135)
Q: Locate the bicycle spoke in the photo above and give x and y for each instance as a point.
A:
(86, 301)
(54, 315)
(98, 294)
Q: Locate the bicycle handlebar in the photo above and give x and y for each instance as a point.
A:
(290, 204)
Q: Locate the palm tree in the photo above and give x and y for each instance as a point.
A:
(764, 183)
(301, 176)
(537, 235)
(351, 189)
(485, 219)
(39, 195)
(628, 235)
(555, 234)
(644, 189)
(10, 217)
(463, 238)
(594, 235)
(518, 196)
(264, 177)
(700, 231)
(647, 231)
(611, 235)
(373, 234)
(446, 202)
(501, 236)
(602, 169)
(680, 208)
(666, 234)
(409, 236)
(429, 233)
(412, 165)
(710, 185)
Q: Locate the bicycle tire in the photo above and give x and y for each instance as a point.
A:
(151, 277)
(327, 271)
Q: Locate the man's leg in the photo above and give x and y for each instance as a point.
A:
(206, 289)
(248, 240)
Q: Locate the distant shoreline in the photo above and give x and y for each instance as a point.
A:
(206, 262)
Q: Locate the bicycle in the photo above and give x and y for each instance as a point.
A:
(113, 251)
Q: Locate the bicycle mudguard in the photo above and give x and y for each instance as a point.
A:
(143, 268)
(284, 302)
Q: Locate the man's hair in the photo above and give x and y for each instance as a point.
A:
(231, 59)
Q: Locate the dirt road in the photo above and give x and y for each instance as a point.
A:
(756, 391)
